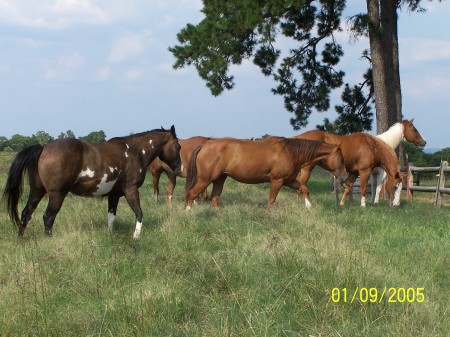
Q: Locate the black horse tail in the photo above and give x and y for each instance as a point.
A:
(191, 176)
(25, 160)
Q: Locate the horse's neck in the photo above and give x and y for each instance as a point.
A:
(393, 136)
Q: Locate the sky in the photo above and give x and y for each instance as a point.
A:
(90, 65)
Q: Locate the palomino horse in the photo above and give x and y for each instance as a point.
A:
(362, 152)
(114, 168)
(275, 159)
(157, 166)
(393, 137)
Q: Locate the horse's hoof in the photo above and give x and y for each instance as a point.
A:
(49, 232)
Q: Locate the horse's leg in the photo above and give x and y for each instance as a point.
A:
(303, 177)
(381, 182)
(113, 201)
(374, 180)
(205, 195)
(172, 182)
(300, 188)
(36, 195)
(55, 201)
(364, 178)
(156, 175)
(199, 186)
(217, 190)
(348, 187)
(132, 197)
(275, 186)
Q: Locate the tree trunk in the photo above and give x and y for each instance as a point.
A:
(378, 66)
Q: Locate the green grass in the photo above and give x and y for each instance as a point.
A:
(240, 270)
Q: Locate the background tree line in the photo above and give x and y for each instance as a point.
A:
(19, 142)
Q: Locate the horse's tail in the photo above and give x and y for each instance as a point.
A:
(25, 160)
(191, 176)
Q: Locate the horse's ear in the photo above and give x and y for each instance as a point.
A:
(172, 130)
(411, 121)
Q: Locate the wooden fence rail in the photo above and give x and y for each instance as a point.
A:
(414, 177)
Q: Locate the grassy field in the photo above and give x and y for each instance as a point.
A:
(241, 270)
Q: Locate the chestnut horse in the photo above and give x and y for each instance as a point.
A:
(362, 152)
(275, 159)
(393, 137)
(114, 168)
(157, 167)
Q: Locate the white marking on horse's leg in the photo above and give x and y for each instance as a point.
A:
(397, 195)
(111, 218)
(170, 200)
(137, 230)
(127, 145)
(363, 201)
(182, 168)
(143, 151)
(150, 141)
(188, 208)
(307, 203)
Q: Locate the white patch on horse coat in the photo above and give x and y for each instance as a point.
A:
(137, 230)
(112, 169)
(87, 173)
(104, 187)
(127, 145)
(150, 141)
(126, 154)
(111, 218)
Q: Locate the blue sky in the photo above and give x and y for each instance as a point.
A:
(89, 65)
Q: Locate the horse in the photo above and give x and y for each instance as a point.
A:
(393, 137)
(276, 160)
(362, 152)
(157, 167)
(114, 168)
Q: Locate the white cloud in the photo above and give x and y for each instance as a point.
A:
(133, 74)
(433, 87)
(425, 50)
(128, 46)
(51, 14)
(65, 66)
(102, 74)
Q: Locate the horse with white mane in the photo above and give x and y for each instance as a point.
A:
(393, 137)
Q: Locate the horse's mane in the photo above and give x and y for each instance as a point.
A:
(140, 134)
(301, 149)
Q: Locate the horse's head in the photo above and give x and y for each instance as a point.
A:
(394, 187)
(411, 134)
(336, 165)
(170, 153)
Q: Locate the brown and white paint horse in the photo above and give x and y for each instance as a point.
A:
(114, 169)
(393, 137)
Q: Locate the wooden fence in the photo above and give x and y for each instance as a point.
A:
(413, 181)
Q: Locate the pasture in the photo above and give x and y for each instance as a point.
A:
(241, 270)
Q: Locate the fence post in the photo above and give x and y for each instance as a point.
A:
(440, 183)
